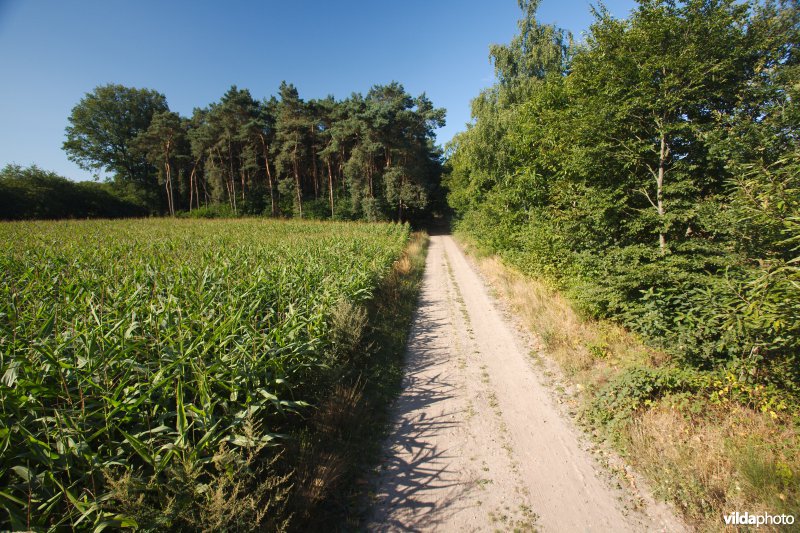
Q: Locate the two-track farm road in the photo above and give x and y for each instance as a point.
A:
(478, 443)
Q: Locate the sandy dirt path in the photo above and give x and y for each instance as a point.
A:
(478, 443)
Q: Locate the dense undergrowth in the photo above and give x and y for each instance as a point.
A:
(174, 374)
(651, 174)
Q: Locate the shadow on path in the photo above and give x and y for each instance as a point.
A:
(413, 466)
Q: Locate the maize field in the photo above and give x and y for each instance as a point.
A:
(131, 346)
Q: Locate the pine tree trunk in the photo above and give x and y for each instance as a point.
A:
(168, 181)
(269, 175)
(315, 173)
(340, 173)
(369, 179)
(221, 163)
(299, 192)
(233, 194)
(231, 178)
(330, 185)
(191, 186)
(168, 186)
(194, 185)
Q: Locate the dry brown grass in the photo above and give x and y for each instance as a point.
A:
(727, 459)
(588, 351)
(325, 461)
(413, 258)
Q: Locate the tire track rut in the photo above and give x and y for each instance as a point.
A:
(477, 442)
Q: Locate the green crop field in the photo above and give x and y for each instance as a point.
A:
(127, 348)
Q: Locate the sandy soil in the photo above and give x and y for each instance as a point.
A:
(479, 442)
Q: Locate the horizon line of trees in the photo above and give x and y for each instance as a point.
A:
(369, 157)
(35, 193)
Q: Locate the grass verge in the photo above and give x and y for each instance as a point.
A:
(707, 455)
(347, 431)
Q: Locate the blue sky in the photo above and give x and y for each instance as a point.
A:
(52, 52)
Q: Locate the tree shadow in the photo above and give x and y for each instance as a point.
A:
(413, 466)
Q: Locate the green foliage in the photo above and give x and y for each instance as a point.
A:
(146, 360)
(102, 131)
(652, 174)
(538, 49)
(374, 152)
(29, 193)
(640, 387)
(160, 143)
(212, 211)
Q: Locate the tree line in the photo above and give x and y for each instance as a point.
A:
(35, 193)
(653, 173)
(367, 157)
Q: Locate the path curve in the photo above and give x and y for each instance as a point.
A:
(478, 443)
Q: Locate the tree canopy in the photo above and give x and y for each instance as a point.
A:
(367, 157)
(102, 130)
(651, 172)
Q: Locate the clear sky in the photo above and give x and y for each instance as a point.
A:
(52, 52)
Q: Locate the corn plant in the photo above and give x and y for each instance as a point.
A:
(132, 346)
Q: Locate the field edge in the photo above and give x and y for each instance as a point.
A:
(354, 420)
